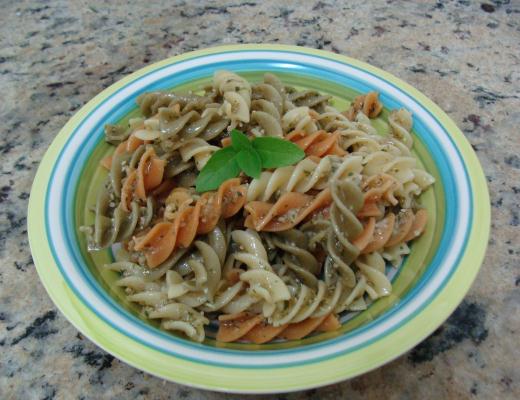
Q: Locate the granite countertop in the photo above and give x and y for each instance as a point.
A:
(465, 55)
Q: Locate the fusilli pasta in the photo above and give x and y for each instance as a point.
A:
(278, 257)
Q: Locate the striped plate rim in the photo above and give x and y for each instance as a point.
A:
(310, 367)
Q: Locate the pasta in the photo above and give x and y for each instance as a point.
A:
(319, 143)
(288, 211)
(368, 104)
(310, 173)
(184, 220)
(278, 257)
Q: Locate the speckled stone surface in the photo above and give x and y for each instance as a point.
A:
(465, 55)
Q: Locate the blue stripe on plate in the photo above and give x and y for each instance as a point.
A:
(251, 65)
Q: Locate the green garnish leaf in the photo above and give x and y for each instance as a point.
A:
(249, 161)
(239, 141)
(275, 152)
(221, 166)
(248, 156)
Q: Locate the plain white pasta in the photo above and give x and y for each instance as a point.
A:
(349, 168)
(224, 298)
(236, 107)
(359, 141)
(306, 175)
(252, 252)
(266, 283)
(205, 270)
(372, 266)
(298, 119)
(262, 105)
(401, 123)
(236, 92)
(271, 94)
(218, 241)
(332, 120)
(211, 263)
(422, 178)
(304, 301)
(395, 254)
(267, 107)
(176, 316)
(269, 125)
(198, 149)
(226, 81)
(331, 298)
(316, 298)
(240, 303)
(363, 123)
(295, 245)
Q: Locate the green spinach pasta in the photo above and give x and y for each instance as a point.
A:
(257, 207)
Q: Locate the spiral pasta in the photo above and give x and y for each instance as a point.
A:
(185, 220)
(295, 246)
(308, 98)
(112, 224)
(310, 173)
(236, 92)
(197, 149)
(299, 119)
(317, 144)
(289, 210)
(253, 328)
(151, 103)
(290, 310)
(278, 257)
(268, 106)
(401, 122)
(344, 227)
(368, 104)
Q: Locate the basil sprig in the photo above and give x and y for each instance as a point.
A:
(249, 156)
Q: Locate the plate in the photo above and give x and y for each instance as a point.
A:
(427, 288)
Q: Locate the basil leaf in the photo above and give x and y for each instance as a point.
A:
(239, 140)
(221, 166)
(249, 161)
(275, 152)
